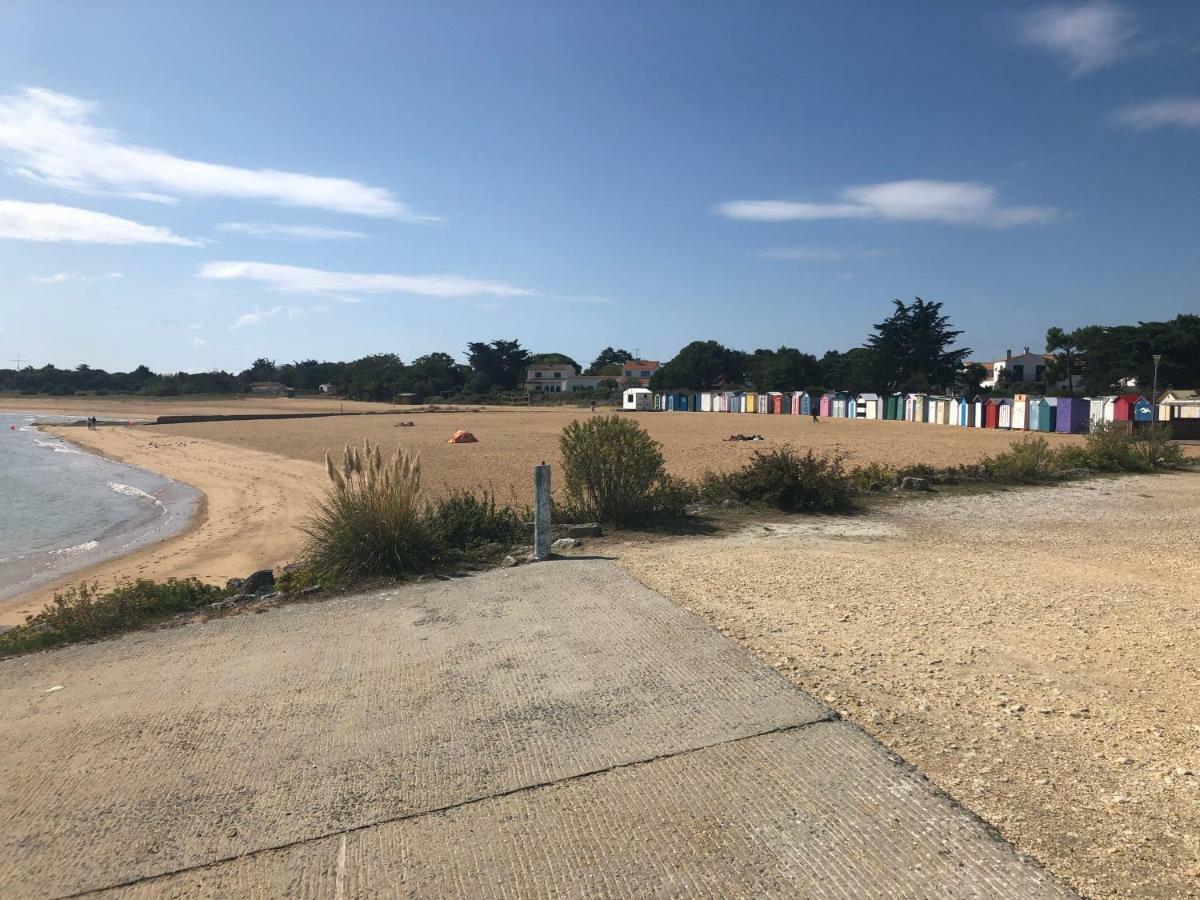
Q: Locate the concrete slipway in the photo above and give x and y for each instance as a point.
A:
(551, 730)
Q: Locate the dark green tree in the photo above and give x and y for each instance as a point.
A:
(609, 362)
(785, 369)
(503, 362)
(912, 348)
(701, 366)
(1064, 345)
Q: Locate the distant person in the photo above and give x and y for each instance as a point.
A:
(816, 417)
(593, 405)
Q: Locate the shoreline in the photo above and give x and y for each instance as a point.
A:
(249, 504)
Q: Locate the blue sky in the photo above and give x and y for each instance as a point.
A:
(194, 186)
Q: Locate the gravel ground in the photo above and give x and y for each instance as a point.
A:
(512, 441)
(1033, 652)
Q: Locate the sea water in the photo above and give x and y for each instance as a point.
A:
(63, 509)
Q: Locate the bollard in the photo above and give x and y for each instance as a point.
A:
(541, 512)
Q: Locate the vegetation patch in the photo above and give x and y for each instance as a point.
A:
(84, 613)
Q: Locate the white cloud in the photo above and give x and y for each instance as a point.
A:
(198, 342)
(196, 326)
(59, 277)
(296, 232)
(259, 314)
(300, 280)
(948, 202)
(52, 138)
(1087, 36)
(822, 254)
(1181, 112)
(50, 222)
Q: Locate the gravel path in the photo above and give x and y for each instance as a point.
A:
(1033, 652)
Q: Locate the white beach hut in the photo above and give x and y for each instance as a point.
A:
(637, 399)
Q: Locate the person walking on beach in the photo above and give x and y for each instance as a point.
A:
(816, 419)
(593, 405)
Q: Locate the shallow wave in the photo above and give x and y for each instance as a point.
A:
(55, 446)
(131, 491)
(78, 548)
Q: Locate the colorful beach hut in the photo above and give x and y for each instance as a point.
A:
(775, 402)
(979, 412)
(867, 406)
(1125, 408)
(826, 406)
(1072, 415)
(1097, 408)
(917, 407)
(1004, 410)
(1019, 415)
(1047, 414)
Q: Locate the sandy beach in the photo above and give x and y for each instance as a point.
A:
(253, 502)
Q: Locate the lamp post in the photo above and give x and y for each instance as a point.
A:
(1157, 357)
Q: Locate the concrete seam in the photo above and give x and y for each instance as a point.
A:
(829, 717)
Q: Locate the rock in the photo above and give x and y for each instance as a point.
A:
(509, 562)
(260, 582)
(912, 483)
(696, 509)
(566, 544)
(234, 584)
(241, 598)
(945, 478)
(271, 596)
(310, 590)
(221, 604)
(589, 529)
(730, 503)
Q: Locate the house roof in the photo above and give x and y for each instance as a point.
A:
(639, 364)
(1179, 394)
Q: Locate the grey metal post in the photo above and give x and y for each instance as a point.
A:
(1157, 357)
(541, 512)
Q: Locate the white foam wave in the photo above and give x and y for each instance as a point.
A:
(78, 548)
(131, 491)
(56, 447)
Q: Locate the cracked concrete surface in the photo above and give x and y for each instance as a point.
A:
(547, 730)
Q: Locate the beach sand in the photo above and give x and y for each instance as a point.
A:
(253, 502)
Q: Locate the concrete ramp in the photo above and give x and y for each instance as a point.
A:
(551, 730)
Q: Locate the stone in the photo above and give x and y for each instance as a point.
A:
(589, 529)
(730, 503)
(566, 544)
(310, 590)
(509, 562)
(234, 584)
(241, 598)
(912, 483)
(271, 596)
(260, 582)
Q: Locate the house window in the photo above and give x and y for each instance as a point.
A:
(1038, 372)
(645, 373)
(558, 374)
(537, 374)
(1018, 373)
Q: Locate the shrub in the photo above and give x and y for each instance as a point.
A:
(793, 482)
(873, 477)
(613, 469)
(83, 613)
(1112, 448)
(370, 523)
(466, 520)
(1027, 461)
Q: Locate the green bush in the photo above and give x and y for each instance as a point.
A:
(613, 471)
(873, 477)
(1112, 447)
(1027, 461)
(466, 520)
(793, 482)
(84, 613)
(371, 521)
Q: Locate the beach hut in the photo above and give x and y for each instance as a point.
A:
(1047, 414)
(826, 405)
(750, 403)
(979, 412)
(793, 401)
(763, 405)
(1020, 412)
(1124, 406)
(966, 414)
(638, 399)
(706, 402)
(1072, 416)
(775, 402)
(889, 406)
(920, 407)
(867, 406)
(1004, 414)
(1096, 409)
(897, 401)
(810, 403)
(991, 413)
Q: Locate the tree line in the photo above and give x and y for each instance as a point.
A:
(913, 349)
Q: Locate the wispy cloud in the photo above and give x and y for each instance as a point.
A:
(52, 138)
(198, 342)
(259, 314)
(300, 280)
(947, 202)
(1086, 37)
(1180, 112)
(817, 254)
(50, 222)
(289, 232)
(59, 277)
